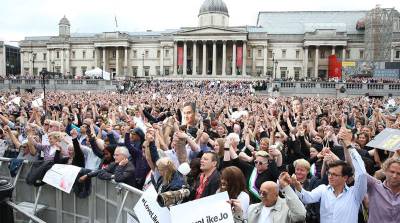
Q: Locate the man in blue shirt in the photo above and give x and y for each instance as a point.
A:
(339, 203)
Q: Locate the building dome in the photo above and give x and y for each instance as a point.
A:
(213, 6)
(64, 21)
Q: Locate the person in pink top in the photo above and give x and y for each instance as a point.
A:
(384, 198)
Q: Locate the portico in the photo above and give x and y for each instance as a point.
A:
(210, 51)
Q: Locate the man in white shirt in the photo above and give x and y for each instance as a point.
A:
(339, 203)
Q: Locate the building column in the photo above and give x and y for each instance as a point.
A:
(62, 61)
(392, 54)
(344, 53)
(117, 61)
(333, 50)
(223, 58)
(316, 61)
(175, 58)
(47, 60)
(96, 58)
(184, 58)
(204, 68)
(162, 61)
(305, 64)
(265, 67)
(22, 63)
(244, 62)
(194, 59)
(126, 61)
(234, 58)
(67, 62)
(253, 65)
(104, 59)
(214, 61)
(30, 58)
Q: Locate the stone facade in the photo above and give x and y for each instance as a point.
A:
(281, 45)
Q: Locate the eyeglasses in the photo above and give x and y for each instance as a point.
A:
(259, 162)
(333, 174)
(277, 136)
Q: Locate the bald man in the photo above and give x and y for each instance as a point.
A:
(272, 208)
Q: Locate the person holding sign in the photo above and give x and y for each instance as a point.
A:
(272, 208)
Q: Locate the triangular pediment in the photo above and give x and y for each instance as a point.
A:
(210, 30)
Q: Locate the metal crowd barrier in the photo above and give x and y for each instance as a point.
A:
(107, 202)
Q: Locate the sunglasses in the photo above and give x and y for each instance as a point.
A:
(259, 162)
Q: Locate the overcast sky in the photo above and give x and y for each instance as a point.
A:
(20, 18)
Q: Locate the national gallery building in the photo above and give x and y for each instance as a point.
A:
(285, 44)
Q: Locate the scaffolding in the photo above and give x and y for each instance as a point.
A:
(378, 34)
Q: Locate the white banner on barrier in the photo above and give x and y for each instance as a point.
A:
(62, 176)
(210, 209)
(149, 211)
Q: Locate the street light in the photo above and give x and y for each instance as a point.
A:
(143, 73)
(33, 63)
(276, 66)
(44, 74)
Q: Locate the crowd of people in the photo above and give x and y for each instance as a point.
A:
(281, 159)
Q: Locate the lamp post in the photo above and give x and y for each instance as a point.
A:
(33, 63)
(143, 73)
(44, 73)
(273, 66)
(276, 66)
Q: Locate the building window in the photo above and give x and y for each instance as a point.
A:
(283, 72)
(73, 55)
(146, 71)
(94, 54)
(297, 71)
(361, 54)
(322, 54)
(84, 54)
(114, 54)
(58, 54)
(347, 54)
(212, 20)
(166, 70)
(283, 54)
(166, 53)
(73, 71)
(135, 54)
(146, 53)
(83, 68)
(158, 53)
(269, 53)
(398, 54)
(297, 54)
(134, 70)
(259, 53)
(44, 56)
(249, 53)
(158, 70)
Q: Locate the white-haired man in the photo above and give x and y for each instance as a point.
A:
(121, 170)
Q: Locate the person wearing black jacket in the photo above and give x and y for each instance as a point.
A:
(121, 170)
(208, 181)
(75, 154)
